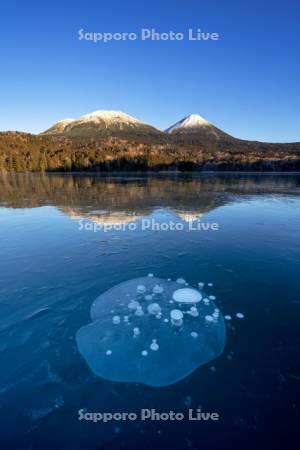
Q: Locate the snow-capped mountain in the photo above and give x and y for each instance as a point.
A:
(102, 123)
(191, 121)
(197, 127)
(59, 127)
(192, 129)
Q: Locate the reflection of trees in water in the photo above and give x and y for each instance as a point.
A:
(139, 195)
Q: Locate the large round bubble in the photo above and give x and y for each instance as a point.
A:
(139, 334)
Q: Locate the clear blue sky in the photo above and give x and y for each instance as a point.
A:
(247, 83)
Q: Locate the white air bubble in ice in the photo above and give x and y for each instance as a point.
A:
(193, 311)
(154, 345)
(176, 317)
(180, 280)
(136, 331)
(209, 318)
(158, 289)
(133, 305)
(143, 349)
(139, 311)
(187, 295)
(154, 309)
(141, 289)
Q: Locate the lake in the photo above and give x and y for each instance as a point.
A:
(66, 239)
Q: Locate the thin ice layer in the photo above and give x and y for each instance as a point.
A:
(114, 351)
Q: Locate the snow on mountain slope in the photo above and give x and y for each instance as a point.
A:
(99, 123)
(196, 126)
(59, 127)
(109, 117)
(192, 121)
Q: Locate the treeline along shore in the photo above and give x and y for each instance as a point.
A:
(24, 152)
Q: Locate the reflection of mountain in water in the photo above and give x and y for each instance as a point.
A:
(118, 218)
(102, 217)
(113, 200)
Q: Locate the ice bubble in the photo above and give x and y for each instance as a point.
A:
(154, 308)
(176, 317)
(133, 357)
(141, 289)
(158, 289)
(148, 297)
(210, 284)
(139, 311)
(194, 311)
(201, 285)
(187, 295)
(209, 318)
(108, 352)
(116, 320)
(180, 280)
(150, 275)
(240, 315)
(215, 315)
(227, 317)
(212, 297)
(133, 305)
(154, 346)
(136, 331)
(206, 301)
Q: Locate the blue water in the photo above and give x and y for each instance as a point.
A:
(53, 266)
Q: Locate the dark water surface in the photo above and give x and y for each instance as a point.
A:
(53, 265)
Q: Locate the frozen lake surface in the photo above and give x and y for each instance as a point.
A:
(66, 239)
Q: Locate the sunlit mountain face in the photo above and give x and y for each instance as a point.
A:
(102, 123)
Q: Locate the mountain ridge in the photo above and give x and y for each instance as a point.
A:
(115, 141)
(197, 128)
(192, 129)
(102, 123)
